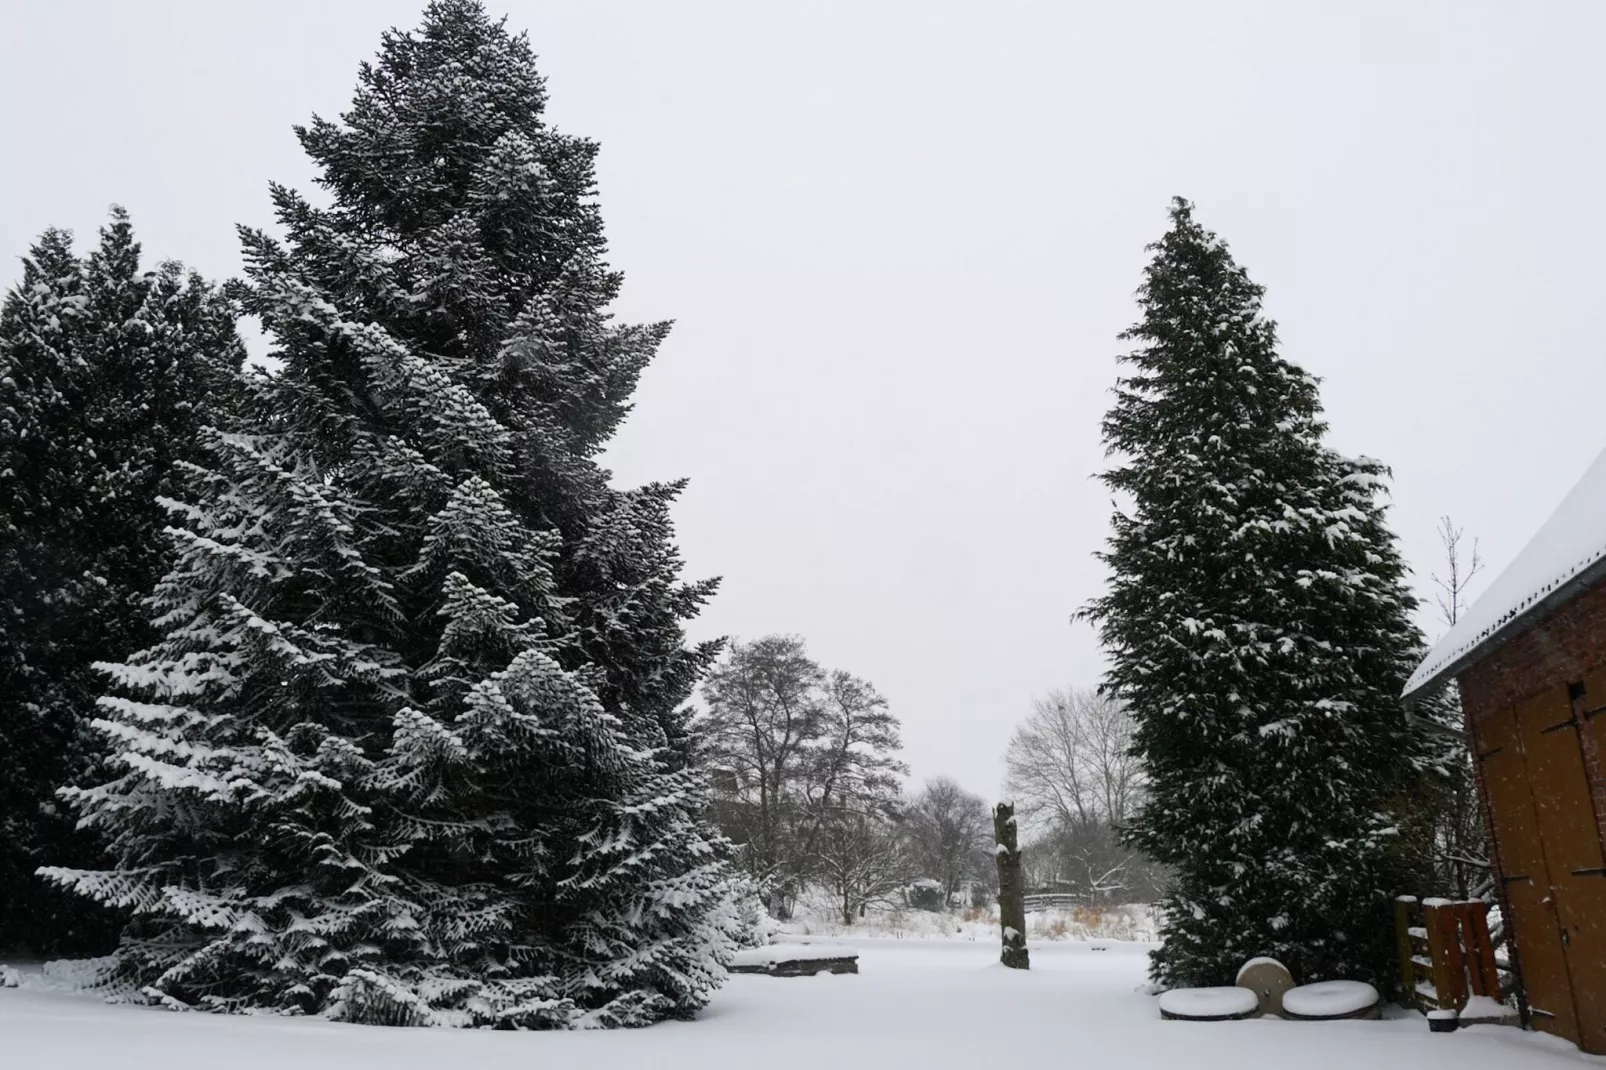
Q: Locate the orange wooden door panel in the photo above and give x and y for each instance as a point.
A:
(1582, 888)
(1526, 877)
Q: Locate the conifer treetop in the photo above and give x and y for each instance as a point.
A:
(459, 209)
(1207, 365)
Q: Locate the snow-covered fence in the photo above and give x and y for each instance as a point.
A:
(1053, 900)
(1448, 954)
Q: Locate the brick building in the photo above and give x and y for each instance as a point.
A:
(1530, 660)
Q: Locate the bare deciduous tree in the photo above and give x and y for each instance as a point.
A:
(862, 860)
(1460, 569)
(1461, 851)
(764, 713)
(794, 748)
(950, 832)
(1441, 830)
(1070, 761)
(1071, 769)
(1091, 863)
(851, 761)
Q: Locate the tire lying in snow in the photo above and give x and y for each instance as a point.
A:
(1328, 1001)
(1227, 1004)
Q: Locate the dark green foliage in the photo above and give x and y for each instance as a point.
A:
(1258, 628)
(107, 374)
(1441, 849)
(411, 745)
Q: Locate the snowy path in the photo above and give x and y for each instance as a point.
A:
(925, 1005)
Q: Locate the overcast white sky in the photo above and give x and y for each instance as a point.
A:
(899, 240)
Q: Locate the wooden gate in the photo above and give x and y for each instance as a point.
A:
(1448, 953)
(1549, 846)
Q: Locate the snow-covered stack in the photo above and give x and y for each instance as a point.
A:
(411, 748)
(1257, 625)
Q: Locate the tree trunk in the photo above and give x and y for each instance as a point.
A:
(1011, 889)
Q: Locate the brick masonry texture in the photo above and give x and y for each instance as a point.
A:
(1568, 646)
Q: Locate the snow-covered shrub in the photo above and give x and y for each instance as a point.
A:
(754, 925)
(924, 894)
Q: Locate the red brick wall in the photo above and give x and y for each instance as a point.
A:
(1561, 650)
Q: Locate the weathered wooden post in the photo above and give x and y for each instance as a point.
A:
(1444, 948)
(1011, 889)
(1404, 907)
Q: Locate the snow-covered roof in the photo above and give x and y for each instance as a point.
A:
(1555, 566)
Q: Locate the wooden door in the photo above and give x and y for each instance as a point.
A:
(1583, 886)
(1526, 875)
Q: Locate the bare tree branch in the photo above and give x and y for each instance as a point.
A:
(1070, 761)
(794, 749)
(1459, 572)
(950, 831)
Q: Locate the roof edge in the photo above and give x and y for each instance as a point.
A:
(1528, 618)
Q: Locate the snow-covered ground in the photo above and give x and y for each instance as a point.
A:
(921, 1004)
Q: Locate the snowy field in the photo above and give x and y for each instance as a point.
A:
(815, 917)
(921, 1004)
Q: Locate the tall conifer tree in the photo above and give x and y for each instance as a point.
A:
(1258, 627)
(107, 372)
(412, 748)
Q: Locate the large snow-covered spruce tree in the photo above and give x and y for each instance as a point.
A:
(107, 371)
(413, 747)
(1258, 627)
